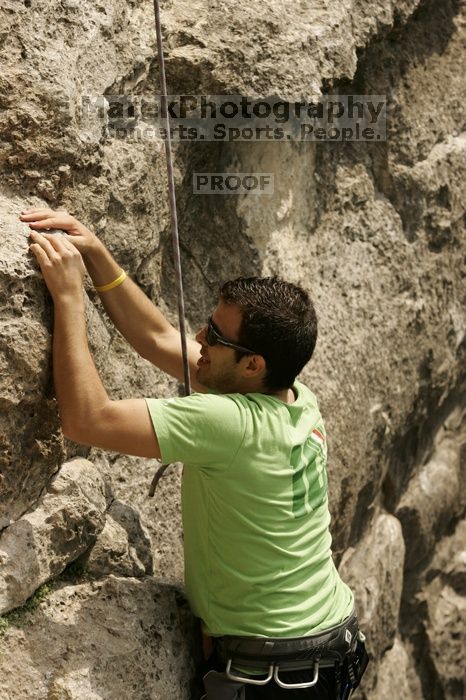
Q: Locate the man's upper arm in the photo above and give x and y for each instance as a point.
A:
(164, 351)
(120, 426)
(202, 429)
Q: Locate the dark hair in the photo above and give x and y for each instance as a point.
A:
(278, 322)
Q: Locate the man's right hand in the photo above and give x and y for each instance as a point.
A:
(133, 313)
(80, 236)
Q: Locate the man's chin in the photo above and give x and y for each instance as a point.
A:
(202, 376)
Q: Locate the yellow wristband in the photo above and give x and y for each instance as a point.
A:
(111, 285)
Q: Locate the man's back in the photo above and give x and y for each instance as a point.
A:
(255, 512)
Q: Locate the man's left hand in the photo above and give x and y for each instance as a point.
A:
(61, 264)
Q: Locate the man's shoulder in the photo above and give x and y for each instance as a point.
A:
(201, 400)
(215, 400)
(200, 429)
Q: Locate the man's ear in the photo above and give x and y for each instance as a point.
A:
(254, 365)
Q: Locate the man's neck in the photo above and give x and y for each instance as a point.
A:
(287, 395)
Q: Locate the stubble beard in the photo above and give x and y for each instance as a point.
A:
(224, 382)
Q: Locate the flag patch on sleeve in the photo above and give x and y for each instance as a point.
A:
(317, 436)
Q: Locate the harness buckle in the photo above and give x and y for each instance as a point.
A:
(243, 679)
(272, 673)
(295, 686)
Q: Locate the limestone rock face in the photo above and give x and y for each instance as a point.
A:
(394, 670)
(65, 522)
(373, 230)
(123, 547)
(161, 514)
(115, 638)
(375, 573)
(445, 598)
(436, 493)
(447, 621)
(31, 445)
(263, 49)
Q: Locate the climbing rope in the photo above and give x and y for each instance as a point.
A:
(174, 223)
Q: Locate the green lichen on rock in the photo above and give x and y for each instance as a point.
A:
(19, 616)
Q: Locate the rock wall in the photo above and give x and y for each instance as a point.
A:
(375, 231)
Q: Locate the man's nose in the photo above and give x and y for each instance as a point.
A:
(200, 335)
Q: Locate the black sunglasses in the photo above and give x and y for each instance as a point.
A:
(213, 337)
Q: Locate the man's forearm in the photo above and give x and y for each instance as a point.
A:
(135, 316)
(78, 387)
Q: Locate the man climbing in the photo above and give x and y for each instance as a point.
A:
(258, 567)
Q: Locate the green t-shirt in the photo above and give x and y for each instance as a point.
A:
(257, 544)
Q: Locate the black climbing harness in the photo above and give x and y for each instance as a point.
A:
(340, 647)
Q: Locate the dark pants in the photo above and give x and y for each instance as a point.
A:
(218, 687)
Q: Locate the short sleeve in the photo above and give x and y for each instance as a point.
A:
(200, 429)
